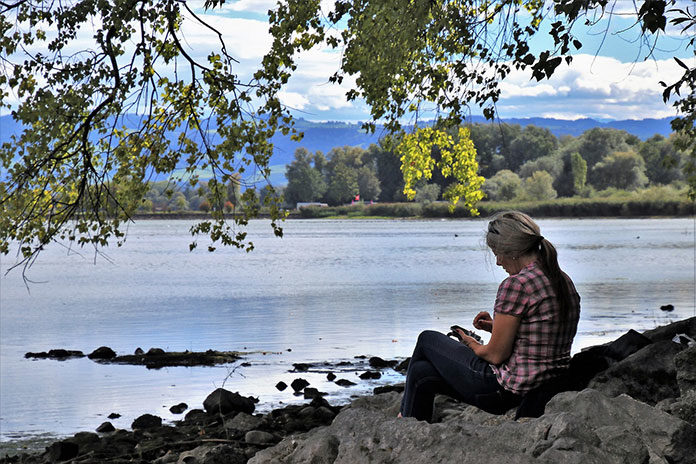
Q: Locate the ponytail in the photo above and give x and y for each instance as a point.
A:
(548, 259)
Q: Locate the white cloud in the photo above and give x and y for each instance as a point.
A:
(293, 100)
(599, 87)
(246, 39)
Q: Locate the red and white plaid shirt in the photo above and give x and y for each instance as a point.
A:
(542, 344)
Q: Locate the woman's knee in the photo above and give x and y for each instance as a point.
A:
(427, 337)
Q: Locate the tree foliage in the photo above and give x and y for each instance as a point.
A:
(305, 180)
(505, 185)
(621, 170)
(578, 167)
(539, 186)
(456, 159)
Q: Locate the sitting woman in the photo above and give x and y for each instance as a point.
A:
(535, 319)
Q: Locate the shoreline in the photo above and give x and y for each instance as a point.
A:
(617, 372)
(591, 208)
(355, 375)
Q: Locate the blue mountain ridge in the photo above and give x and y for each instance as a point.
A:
(324, 136)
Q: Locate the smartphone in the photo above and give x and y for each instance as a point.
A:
(471, 333)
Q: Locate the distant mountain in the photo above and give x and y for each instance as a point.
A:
(641, 128)
(324, 136)
(321, 136)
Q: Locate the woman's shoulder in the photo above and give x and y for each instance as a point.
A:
(531, 271)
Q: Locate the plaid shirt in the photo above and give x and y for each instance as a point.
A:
(542, 344)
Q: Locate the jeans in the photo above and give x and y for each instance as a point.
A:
(441, 365)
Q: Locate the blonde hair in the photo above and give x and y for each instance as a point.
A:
(514, 234)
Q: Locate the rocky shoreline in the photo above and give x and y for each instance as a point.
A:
(629, 401)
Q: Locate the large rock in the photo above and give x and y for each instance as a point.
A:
(222, 401)
(647, 375)
(685, 363)
(667, 332)
(579, 427)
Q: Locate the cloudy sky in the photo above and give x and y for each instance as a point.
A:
(610, 79)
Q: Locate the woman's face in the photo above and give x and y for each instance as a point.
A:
(511, 266)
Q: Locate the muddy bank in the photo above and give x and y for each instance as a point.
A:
(154, 358)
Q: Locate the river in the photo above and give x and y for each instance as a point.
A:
(328, 290)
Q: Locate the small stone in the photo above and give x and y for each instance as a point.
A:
(298, 384)
(301, 367)
(667, 307)
(62, 451)
(370, 375)
(139, 351)
(222, 401)
(330, 376)
(103, 352)
(63, 354)
(379, 363)
(306, 412)
(178, 408)
(114, 415)
(106, 427)
(388, 388)
(281, 386)
(243, 422)
(310, 392)
(196, 416)
(403, 365)
(259, 437)
(146, 421)
(155, 351)
(345, 383)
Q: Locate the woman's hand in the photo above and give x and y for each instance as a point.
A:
(483, 321)
(468, 341)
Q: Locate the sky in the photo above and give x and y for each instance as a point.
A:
(609, 79)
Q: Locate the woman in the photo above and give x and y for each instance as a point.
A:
(536, 316)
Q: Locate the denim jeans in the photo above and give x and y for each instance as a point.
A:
(441, 365)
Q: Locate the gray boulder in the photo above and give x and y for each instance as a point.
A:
(648, 375)
(667, 332)
(243, 422)
(212, 454)
(259, 437)
(685, 363)
(578, 427)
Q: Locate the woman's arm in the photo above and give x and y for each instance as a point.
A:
(499, 348)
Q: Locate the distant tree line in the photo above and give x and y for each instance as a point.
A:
(166, 196)
(518, 163)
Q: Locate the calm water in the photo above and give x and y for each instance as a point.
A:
(329, 290)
